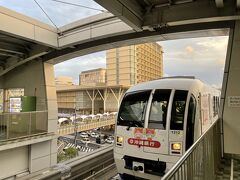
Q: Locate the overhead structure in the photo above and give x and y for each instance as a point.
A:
(126, 22)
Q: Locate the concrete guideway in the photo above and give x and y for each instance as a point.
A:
(79, 167)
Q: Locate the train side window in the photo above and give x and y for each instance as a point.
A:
(214, 106)
(178, 109)
(158, 111)
(190, 122)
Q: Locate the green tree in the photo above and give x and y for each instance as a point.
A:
(61, 157)
(71, 152)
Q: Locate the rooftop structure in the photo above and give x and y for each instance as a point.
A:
(64, 81)
(93, 77)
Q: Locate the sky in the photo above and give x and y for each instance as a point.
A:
(203, 58)
(59, 13)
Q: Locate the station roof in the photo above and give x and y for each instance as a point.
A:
(57, 30)
(81, 87)
(55, 13)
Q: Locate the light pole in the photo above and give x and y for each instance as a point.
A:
(75, 127)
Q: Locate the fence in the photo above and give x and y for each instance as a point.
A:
(201, 161)
(22, 124)
(64, 130)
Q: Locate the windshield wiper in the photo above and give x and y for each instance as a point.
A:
(134, 124)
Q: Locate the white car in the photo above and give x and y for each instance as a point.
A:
(93, 134)
(83, 135)
(110, 140)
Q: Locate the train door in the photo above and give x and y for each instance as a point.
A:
(176, 132)
(156, 130)
(190, 122)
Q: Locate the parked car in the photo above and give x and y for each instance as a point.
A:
(100, 139)
(94, 135)
(110, 140)
(83, 135)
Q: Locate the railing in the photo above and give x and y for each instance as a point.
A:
(69, 129)
(201, 160)
(22, 124)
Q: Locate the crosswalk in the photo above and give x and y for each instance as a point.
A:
(79, 148)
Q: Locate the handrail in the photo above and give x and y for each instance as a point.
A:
(11, 113)
(174, 170)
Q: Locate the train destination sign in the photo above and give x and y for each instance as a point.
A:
(144, 142)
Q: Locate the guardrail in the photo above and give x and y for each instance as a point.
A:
(69, 129)
(201, 161)
(22, 124)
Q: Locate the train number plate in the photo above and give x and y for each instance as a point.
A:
(176, 132)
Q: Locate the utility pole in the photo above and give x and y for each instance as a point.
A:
(75, 127)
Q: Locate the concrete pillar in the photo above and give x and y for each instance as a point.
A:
(230, 101)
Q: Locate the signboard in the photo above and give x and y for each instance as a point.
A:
(143, 137)
(233, 101)
(144, 142)
(144, 133)
(15, 104)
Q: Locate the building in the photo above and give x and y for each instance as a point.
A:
(130, 65)
(90, 100)
(101, 90)
(64, 81)
(93, 77)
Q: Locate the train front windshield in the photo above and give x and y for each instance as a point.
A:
(133, 109)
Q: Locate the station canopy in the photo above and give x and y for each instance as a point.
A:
(54, 12)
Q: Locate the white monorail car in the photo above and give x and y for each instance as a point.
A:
(158, 121)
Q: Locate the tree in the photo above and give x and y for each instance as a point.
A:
(71, 152)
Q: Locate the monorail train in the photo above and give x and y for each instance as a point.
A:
(158, 121)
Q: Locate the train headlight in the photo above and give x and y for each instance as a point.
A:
(176, 146)
(119, 140)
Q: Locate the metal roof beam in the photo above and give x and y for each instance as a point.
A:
(129, 12)
(190, 13)
(11, 51)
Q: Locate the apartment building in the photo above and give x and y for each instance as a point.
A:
(130, 65)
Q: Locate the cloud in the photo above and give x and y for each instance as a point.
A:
(203, 58)
(189, 49)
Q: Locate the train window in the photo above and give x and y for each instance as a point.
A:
(190, 122)
(214, 106)
(132, 110)
(158, 111)
(178, 109)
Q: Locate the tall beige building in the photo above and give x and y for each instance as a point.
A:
(130, 65)
(93, 77)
